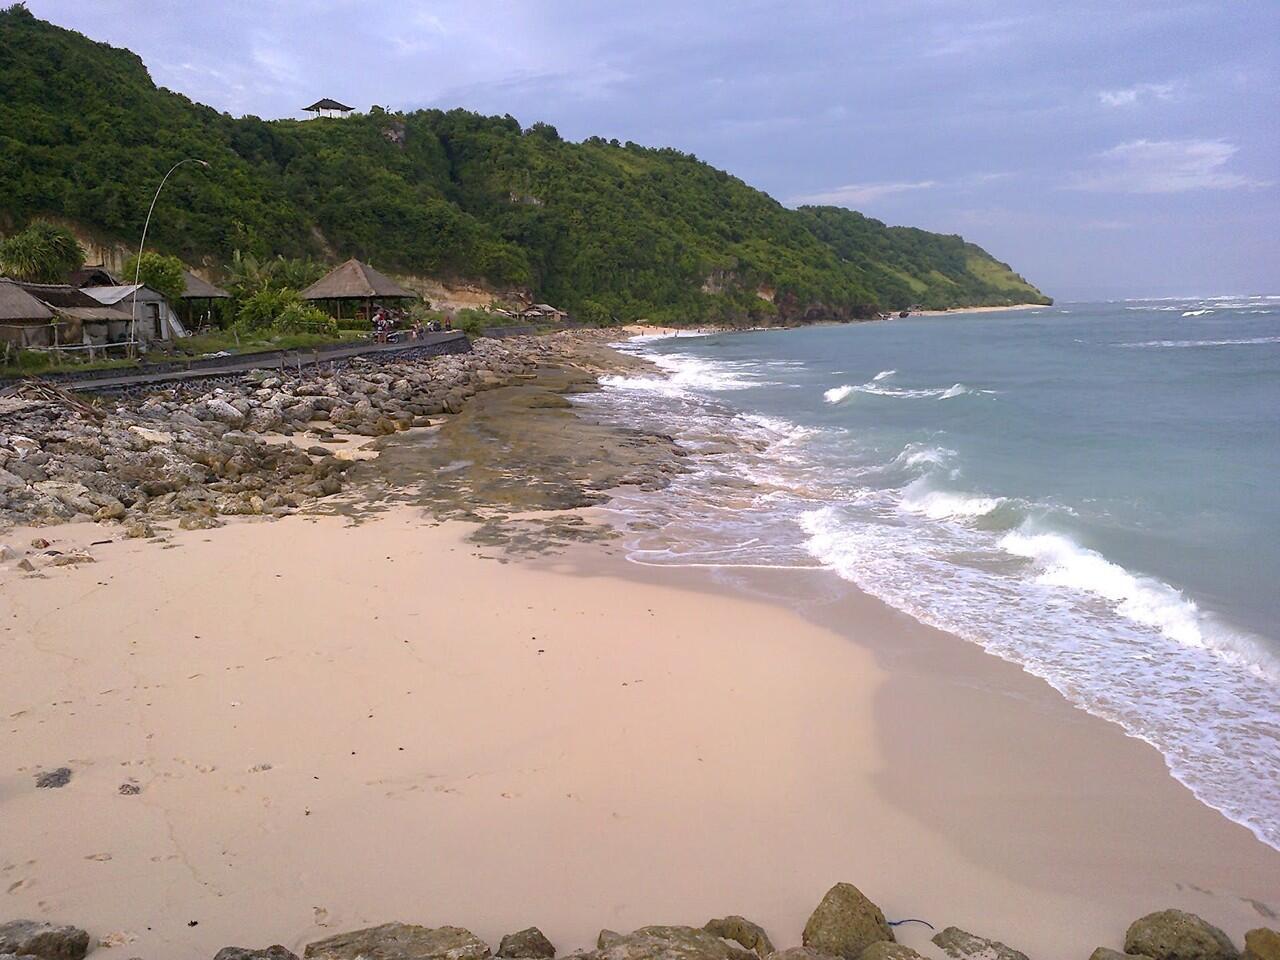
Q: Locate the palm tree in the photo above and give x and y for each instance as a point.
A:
(42, 253)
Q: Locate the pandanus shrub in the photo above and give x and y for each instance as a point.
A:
(42, 253)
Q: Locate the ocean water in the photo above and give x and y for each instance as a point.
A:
(1091, 491)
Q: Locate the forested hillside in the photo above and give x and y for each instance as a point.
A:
(601, 228)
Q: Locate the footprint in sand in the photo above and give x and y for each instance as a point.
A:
(321, 916)
(18, 885)
(100, 857)
(1262, 908)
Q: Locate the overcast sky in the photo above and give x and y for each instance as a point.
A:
(1105, 148)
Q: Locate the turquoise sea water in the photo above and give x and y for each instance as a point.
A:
(1089, 490)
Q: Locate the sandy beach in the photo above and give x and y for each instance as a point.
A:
(334, 724)
(953, 310)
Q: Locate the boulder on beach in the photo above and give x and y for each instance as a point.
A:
(400, 941)
(887, 950)
(275, 952)
(667, 943)
(1177, 935)
(740, 929)
(966, 946)
(527, 944)
(1106, 953)
(48, 941)
(845, 923)
(1261, 944)
(799, 953)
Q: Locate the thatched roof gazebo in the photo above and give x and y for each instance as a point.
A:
(196, 305)
(327, 107)
(200, 289)
(358, 281)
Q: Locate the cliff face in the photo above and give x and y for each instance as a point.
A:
(602, 228)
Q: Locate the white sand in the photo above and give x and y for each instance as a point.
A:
(334, 726)
(954, 310)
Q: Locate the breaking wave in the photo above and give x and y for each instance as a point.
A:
(1242, 342)
(920, 497)
(873, 388)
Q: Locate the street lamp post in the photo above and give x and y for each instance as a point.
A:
(137, 273)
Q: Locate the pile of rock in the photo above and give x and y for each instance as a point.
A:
(196, 452)
(845, 926)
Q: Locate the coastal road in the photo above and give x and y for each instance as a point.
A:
(452, 341)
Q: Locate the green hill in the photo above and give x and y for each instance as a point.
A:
(600, 228)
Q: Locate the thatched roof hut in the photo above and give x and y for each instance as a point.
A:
(26, 320)
(356, 281)
(18, 306)
(200, 289)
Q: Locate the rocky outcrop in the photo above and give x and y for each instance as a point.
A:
(529, 943)
(845, 923)
(276, 952)
(885, 950)
(47, 941)
(966, 946)
(1261, 944)
(400, 941)
(666, 943)
(1177, 935)
(799, 953)
(740, 929)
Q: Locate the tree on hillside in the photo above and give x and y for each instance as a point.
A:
(42, 253)
(161, 273)
(247, 275)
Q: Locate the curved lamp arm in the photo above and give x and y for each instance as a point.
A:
(137, 273)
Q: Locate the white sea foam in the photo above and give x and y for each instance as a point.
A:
(919, 497)
(1196, 313)
(883, 375)
(685, 373)
(1243, 342)
(1059, 561)
(782, 430)
(641, 338)
(872, 388)
(923, 455)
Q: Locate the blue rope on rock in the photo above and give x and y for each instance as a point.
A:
(895, 923)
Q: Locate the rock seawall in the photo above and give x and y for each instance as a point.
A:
(200, 451)
(846, 925)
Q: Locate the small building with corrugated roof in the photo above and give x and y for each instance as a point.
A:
(155, 317)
